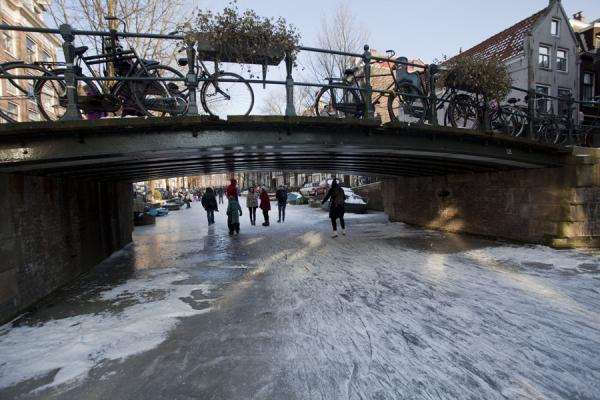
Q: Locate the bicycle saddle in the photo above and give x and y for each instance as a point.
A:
(147, 63)
(512, 100)
(80, 50)
(350, 71)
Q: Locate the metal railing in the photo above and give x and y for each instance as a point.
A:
(192, 80)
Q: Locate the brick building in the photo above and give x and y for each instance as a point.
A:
(23, 46)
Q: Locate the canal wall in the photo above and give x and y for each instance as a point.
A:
(54, 229)
(553, 206)
(372, 192)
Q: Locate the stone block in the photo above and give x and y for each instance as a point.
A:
(573, 229)
(463, 178)
(8, 285)
(10, 253)
(584, 176)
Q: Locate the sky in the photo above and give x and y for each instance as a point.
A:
(423, 29)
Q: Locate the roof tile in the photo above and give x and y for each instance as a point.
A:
(505, 44)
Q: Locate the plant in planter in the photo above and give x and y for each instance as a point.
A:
(482, 85)
(242, 37)
(488, 78)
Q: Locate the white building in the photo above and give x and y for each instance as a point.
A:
(540, 53)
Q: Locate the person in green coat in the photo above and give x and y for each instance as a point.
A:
(234, 212)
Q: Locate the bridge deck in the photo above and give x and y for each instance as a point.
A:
(136, 149)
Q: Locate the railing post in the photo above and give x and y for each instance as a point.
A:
(369, 111)
(531, 112)
(433, 69)
(191, 78)
(290, 109)
(72, 111)
(570, 122)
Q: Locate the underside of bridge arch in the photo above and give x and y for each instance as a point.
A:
(139, 149)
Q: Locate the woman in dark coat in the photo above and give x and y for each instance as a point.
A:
(209, 202)
(252, 204)
(336, 207)
(265, 205)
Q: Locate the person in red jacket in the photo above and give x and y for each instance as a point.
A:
(265, 205)
(232, 190)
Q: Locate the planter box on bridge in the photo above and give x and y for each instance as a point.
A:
(207, 52)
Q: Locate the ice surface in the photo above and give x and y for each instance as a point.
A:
(386, 312)
(70, 347)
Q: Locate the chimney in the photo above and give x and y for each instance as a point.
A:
(578, 16)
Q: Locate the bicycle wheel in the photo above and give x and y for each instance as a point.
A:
(158, 98)
(52, 96)
(21, 92)
(222, 98)
(518, 123)
(548, 131)
(339, 103)
(509, 121)
(463, 112)
(406, 106)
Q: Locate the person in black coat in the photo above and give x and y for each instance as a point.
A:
(336, 207)
(281, 196)
(209, 202)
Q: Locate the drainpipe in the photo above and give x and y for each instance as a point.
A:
(530, 56)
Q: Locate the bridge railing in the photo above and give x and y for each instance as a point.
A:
(567, 124)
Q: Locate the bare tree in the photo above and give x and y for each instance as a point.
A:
(339, 31)
(275, 102)
(141, 16)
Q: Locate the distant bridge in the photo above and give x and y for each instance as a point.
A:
(135, 149)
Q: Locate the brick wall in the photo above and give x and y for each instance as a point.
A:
(556, 206)
(52, 230)
(373, 193)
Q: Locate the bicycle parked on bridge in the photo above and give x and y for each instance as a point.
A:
(154, 94)
(514, 119)
(407, 95)
(222, 93)
(344, 97)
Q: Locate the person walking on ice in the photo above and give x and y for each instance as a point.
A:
(252, 204)
(234, 212)
(336, 207)
(281, 196)
(265, 205)
(209, 202)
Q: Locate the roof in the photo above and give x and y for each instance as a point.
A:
(506, 44)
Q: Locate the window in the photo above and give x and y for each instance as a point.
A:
(544, 57)
(10, 86)
(555, 27)
(34, 115)
(561, 60)
(30, 48)
(13, 111)
(7, 41)
(543, 104)
(46, 57)
(563, 106)
(588, 86)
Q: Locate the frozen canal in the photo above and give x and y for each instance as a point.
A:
(286, 312)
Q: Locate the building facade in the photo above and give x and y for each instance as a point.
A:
(589, 55)
(24, 46)
(540, 53)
